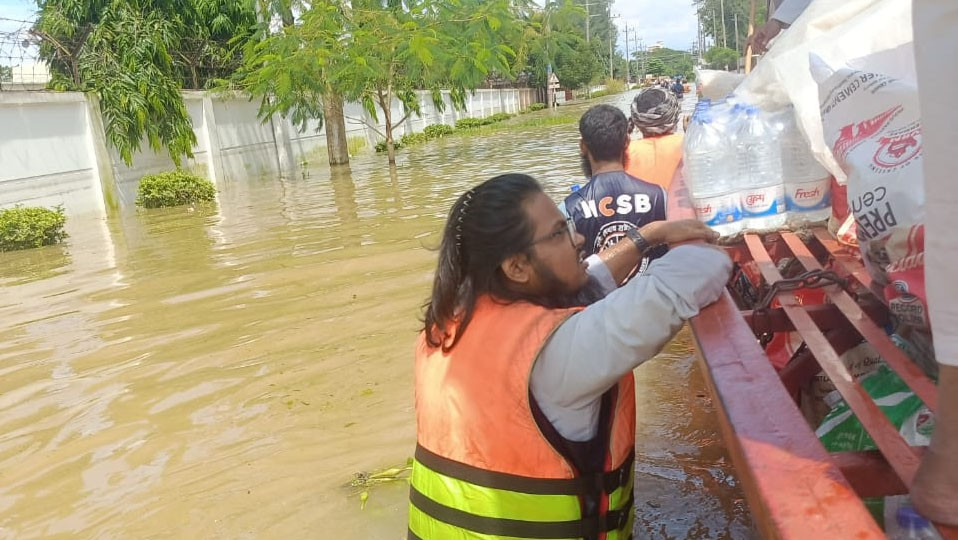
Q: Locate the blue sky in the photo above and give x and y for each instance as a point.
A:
(670, 21)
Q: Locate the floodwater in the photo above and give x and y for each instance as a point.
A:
(225, 372)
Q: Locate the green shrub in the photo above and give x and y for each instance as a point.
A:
(468, 123)
(30, 227)
(173, 188)
(381, 146)
(500, 116)
(537, 107)
(438, 130)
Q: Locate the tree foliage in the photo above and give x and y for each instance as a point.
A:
(723, 31)
(555, 35)
(665, 61)
(722, 58)
(655, 66)
(137, 55)
(373, 51)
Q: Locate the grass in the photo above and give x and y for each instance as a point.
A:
(355, 144)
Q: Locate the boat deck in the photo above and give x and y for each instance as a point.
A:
(794, 487)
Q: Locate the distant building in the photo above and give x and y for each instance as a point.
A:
(656, 46)
(34, 76)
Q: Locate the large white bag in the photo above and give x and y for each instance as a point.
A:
(873, 35)
(872, 124)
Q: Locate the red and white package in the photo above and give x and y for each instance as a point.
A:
(872, 124)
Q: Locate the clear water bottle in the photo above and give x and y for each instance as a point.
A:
(760, 172)
(902, 522)
(808, 187)
(711, 177)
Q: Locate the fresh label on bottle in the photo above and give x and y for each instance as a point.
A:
(808, 196)
(763, 202)
(720, 210)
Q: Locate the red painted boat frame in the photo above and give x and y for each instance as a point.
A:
(794, 487)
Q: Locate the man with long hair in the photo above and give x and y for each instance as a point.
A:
(525, 400)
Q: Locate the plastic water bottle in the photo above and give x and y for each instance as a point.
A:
(808, 187)
(760, 172)
(902, 522)
(708, 159)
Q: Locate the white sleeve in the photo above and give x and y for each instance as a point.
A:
(789, 10)
(934, 23)
(598, 270)
(596, 347)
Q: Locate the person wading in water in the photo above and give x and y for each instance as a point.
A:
(525, 399)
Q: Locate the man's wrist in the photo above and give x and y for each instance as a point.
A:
(642, 244)
(651, 233)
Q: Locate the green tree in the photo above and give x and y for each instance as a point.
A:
(722, 58)
(675, 62)
(373, 51)
(723, 30)
(6, 74)
(554, 35)
(655, 66)
(136, 55)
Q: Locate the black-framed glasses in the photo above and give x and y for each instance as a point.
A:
(568, 229)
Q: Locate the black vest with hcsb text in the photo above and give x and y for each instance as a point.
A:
(610, 204)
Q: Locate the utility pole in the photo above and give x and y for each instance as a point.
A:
(736, 32)
(724, 31)
(611, 50)
(588, 15)
(714, 28)
(628, 72)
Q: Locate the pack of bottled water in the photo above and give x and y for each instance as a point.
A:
(750, 170)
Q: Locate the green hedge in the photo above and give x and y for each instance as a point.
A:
(441, 130)
(31, 227)
(438, 130)
(537, 107)
(174, 188)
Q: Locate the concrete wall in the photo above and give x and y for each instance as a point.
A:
(53, 150)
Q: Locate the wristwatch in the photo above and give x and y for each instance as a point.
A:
(640, 242)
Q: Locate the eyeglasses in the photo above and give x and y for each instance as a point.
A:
(568, 229)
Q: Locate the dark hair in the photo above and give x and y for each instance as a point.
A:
(604, 129)
(486, 225)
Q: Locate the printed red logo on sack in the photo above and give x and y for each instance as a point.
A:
(848, 138)
(895, 151)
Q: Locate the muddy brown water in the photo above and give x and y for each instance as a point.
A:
(224, 372)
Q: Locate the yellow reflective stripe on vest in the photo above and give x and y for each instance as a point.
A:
(620, 497)
(492, 502)
(427, 528)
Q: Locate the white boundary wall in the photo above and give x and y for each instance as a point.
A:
(53, 150)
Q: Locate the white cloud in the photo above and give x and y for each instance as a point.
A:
(670, 21)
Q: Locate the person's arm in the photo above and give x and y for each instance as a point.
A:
(936, 483)
(594, 348)
(622, 258)
(783, 17)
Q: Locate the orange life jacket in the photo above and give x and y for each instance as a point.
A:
(654, 159)
(488, 464)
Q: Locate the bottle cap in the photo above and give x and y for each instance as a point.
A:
(908, 518)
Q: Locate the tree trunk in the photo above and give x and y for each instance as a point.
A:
(336, 144)
(390, 145)
(385, 103)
